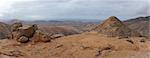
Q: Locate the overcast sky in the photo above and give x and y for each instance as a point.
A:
(72, 9)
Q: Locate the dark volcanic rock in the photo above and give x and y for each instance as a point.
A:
(114, 27)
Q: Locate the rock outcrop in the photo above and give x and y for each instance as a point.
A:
(116, 28)
(27, 33)
(53, 36)
(39, 36)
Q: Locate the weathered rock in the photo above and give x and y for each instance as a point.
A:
(39, 36)
(23, 39)
(45, 38)
(15, 26)
(115, 28)
(27, 31)
(16, 35)
(22, 34)
(57, 36)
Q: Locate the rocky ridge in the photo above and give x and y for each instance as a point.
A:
(115, 28)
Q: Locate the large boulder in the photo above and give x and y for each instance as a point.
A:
(26, 31)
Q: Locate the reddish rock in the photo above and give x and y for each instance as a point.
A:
(39, 36)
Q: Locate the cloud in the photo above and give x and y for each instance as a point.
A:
(75, 9)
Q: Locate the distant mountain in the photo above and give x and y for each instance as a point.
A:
(67, 27)
(140, 24)
(66, 30)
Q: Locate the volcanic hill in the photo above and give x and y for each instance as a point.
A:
(114, 27)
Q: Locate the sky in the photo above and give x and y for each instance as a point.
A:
(72, 9)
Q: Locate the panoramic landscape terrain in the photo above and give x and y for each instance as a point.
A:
(74, 29)
(111, 38)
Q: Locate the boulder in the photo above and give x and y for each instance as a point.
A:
(39, 36)
(24, 33)
(30, 33)
(53, 36)
(23, 39)
(27, 31)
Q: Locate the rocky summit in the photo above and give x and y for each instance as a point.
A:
(115, 28)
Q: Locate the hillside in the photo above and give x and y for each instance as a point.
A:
(88, 45)
(66, 30)
(5, 31)
(140, 24)
(115, 28)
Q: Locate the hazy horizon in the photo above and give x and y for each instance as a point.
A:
(72, 9)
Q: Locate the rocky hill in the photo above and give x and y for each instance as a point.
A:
(5, 31)
(114, 27)
(140, 24)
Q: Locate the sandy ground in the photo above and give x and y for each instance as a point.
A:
(86, 45)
